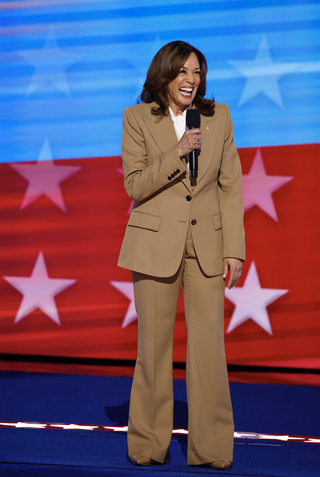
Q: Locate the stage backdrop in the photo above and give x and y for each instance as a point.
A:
(68, 69)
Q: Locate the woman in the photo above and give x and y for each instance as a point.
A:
(187, 232)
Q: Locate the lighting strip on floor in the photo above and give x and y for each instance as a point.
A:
(86, 427)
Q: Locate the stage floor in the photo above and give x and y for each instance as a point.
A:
(56, 423)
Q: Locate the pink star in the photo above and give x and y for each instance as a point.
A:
(38, 291)
(258, 187)
(127, 289)
(44, 178)
(251, 301)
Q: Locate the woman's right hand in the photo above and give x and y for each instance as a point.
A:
(190, 140)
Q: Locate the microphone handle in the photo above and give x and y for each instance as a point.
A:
(193, 163)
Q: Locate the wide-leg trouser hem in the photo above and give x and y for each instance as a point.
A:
(151, 403)
(210, 418)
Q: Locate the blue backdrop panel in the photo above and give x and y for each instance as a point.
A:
(69, 68)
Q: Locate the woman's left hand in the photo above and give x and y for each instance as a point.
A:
(235, 267)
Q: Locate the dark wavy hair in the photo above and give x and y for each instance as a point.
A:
(164, 68)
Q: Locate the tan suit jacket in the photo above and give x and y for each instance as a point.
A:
(165, 201)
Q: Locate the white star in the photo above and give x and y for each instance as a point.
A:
(255, 435)
(25, 424)
(262, 75)
(251, 301)
(38, 291)
(258, 187)
(44, 178)
(31, 425)
(245, 435)
(127, 289)
(116, 428)
(9, 424)
(71, 427)
(278, 438)
(50, 63)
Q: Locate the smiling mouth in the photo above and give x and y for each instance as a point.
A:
(186, 92)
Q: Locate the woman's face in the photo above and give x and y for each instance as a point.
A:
(183, 88)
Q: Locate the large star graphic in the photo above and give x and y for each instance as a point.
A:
(127, 289)
(44, 178)
(258, 187)
(251, 301)
(39, 291)
(262, 75)
(50, 63)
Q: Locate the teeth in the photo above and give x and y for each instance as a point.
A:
(186, 91)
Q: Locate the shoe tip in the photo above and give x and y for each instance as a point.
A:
(221, 464)
(140, 460)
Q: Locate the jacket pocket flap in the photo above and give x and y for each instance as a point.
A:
(217, 221)
(144, 221)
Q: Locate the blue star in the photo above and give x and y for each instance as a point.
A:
(262, 75)
(50, 64)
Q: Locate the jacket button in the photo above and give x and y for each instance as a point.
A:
(193, 222)
(188, 198)
(169, 178)
(178, 171)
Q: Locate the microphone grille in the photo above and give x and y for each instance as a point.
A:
(193, 118)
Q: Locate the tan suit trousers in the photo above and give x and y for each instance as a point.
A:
(210, 419)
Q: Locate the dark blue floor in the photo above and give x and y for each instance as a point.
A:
(107, 458)
(271, 409)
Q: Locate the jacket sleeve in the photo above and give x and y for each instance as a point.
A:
(143, 175)
(231, 196)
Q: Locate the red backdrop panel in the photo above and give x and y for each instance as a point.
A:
(82, 243)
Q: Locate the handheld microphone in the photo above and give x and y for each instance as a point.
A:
(193, 122)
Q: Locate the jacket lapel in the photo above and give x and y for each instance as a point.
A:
(165, 137)
(163, 132)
